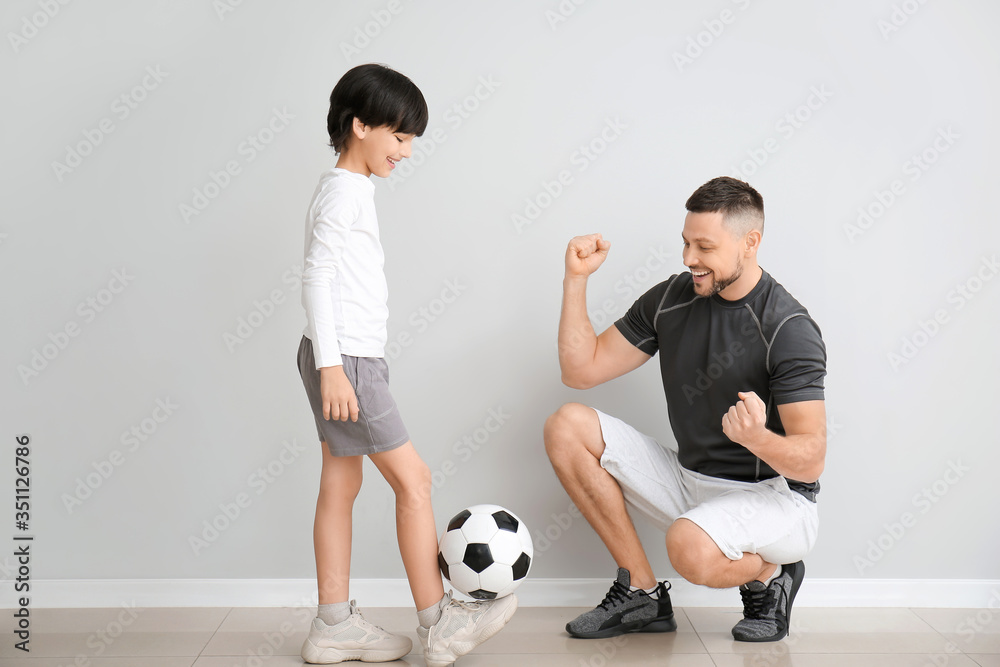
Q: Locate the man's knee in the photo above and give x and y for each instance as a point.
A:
(692, 551)
(567, 431)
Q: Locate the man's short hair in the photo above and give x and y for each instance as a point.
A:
(742, 207)
(378, 96)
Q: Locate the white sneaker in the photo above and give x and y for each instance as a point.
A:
(353, 639)
(464, 626)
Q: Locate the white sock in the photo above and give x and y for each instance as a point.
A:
(331, 614)
(648, 591)
(428, 617)
(777, 573)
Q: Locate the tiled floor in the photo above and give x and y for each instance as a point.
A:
(269, 637)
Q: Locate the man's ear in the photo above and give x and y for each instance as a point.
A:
(752, 242)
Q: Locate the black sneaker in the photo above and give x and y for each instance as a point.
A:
(767, 610)
(623, 610)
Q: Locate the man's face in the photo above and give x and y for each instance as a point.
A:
(712, 253)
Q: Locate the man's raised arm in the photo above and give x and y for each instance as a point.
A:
(586, 359)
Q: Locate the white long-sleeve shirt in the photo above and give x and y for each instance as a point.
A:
(344, 291)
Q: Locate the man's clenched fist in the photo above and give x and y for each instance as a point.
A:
(585, 254)
(745, 422)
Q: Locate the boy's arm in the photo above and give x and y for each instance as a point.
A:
(585, 359)
(328, 239)
(322, 262)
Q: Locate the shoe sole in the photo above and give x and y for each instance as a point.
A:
(328, 656)
(461, 648)
(788, 617)
(660, 624)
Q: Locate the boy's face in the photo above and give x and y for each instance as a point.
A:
(376, 150)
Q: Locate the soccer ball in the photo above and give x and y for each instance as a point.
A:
(485, 552)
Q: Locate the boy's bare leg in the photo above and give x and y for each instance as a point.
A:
(410, 479)
(339, 484)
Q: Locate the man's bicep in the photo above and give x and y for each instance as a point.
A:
(615, 356)
(803, 417)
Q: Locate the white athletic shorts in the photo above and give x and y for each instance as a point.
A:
(765, 518)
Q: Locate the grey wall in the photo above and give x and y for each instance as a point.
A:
(886, 82)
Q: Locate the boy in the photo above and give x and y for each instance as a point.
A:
(374, 115)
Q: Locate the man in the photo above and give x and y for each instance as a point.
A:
(742, 365)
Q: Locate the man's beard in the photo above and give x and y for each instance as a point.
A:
(723, 283)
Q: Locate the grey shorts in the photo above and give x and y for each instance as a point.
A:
(379, 427)
(765, 518)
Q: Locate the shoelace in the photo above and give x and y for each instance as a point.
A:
(471, 606)
(368, 625)
(617, 593)
(756, 603)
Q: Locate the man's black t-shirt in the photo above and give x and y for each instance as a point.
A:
(710, 349)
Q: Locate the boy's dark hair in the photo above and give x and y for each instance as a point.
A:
(377, 96)
(742, 207)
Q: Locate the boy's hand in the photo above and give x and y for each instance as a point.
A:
(585, 254)
(339, 399)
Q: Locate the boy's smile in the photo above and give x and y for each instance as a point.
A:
(375, 150)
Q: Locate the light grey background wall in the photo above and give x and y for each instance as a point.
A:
(159, 159)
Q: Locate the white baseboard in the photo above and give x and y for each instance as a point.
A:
(76, 593)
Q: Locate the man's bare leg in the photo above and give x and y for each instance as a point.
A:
(697, 558)
(575, 444)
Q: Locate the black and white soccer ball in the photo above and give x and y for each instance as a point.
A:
(485, 552)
